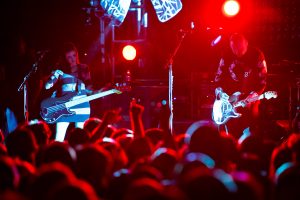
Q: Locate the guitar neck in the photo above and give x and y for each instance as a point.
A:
(249, 100)
(89, 98)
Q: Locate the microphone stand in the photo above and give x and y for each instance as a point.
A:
(169, 65)
(24, 85)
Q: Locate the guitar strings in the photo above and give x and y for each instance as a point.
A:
(55, 108)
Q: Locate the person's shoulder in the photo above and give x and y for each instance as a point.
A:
(255, 49)
(255, 52)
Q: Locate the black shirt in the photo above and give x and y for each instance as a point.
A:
(245, 74)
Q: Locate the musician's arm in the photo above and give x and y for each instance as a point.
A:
(53, 78)
(262, 75)
(220, 70)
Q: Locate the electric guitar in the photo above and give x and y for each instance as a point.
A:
(54, 108)
(223, 110)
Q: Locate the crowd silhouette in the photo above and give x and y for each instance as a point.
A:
(102, 161)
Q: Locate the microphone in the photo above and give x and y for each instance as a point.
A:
(41, 55)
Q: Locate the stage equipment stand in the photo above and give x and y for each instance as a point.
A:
(24, 85)
(169, 65)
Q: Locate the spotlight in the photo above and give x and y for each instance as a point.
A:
(231, 8)
(129, 52)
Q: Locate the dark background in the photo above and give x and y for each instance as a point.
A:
(30, 26)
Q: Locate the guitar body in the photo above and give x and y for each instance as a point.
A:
(55, 110)
(71, 107)
(223, 111)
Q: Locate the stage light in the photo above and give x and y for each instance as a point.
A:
(116, 10)
(231, 8)
(129, 52)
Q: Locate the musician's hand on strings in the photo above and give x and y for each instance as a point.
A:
(89, 92)
(53, 78)
(234, 97)
(245, 103)
(252, 95)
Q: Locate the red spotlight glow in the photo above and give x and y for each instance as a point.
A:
(129, 52)
(231, 8)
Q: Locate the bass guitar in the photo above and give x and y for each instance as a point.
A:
(53, 109)
(223, 110)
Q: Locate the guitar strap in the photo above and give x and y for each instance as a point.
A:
(78, 85)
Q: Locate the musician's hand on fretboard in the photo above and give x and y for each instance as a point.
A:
(234, 97)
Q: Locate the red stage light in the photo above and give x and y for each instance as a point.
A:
(231, 8)
(129, 52)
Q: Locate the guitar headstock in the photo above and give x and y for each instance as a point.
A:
(117, 91)
(270, 94)
(122, 87)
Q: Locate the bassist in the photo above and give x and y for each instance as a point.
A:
(75, 78)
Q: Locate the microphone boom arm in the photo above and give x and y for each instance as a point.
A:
(23, 85)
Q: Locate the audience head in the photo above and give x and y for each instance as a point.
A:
(57, 152)
(144, 188)
(249, 187)
(207, 184)
(287, 182)
(22, 144)
(41, 131)
(94, 164)
(280, 155)
(77, 136)
(118, 154)
(205, 138)
(139, 148)
(9, 175)
(79, 190)
(49, 176)
(165, 160)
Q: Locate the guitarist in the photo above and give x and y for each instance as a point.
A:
(242, 73)
(75, 78)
